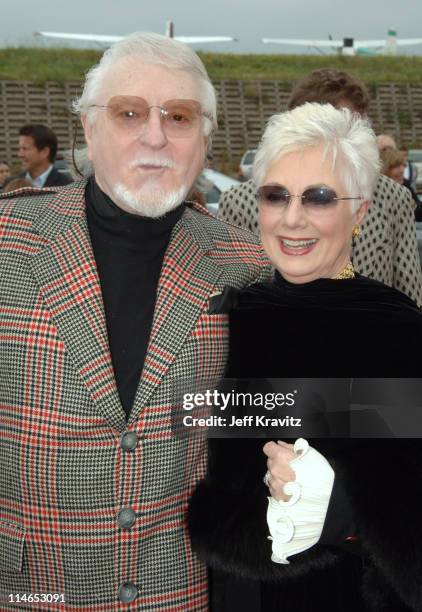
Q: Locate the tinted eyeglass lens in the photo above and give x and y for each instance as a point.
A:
(130, 113)
(271, 194)
(127, 112)
(181, 115)
(319, 197)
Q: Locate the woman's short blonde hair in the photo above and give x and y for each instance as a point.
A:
(391, 158)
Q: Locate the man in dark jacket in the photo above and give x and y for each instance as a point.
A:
(37, 151)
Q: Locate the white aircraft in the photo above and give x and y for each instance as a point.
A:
(105, 39)
(350, 46)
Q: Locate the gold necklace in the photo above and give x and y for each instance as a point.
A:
(347, 272)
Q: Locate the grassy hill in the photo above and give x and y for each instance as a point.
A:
(65, 64)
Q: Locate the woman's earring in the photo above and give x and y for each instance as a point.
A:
(356, 231)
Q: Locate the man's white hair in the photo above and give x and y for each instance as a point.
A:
(346, 138)
(150, 48)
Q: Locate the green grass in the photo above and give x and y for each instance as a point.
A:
(61, 65)
(293, 67)
(41, 65)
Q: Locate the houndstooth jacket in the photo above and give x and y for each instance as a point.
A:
(64, 474)
(387, 248)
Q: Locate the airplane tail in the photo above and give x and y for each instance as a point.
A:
(391, 42)
(170, 29)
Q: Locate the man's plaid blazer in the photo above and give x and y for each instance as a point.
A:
(64, 475)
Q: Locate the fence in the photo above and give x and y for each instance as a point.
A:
(244, 107)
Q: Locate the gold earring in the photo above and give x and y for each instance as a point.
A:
(356, 231)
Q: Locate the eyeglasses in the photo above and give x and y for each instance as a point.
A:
(313, 199)
(129, 114)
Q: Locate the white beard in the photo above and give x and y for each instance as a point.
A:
(149, 201)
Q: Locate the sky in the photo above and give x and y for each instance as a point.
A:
(247, 20)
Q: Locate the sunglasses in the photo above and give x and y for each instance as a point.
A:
(314, 198)
(129, 114)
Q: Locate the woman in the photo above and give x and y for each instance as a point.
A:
(393, 163)
(346, 530)
(393, 166)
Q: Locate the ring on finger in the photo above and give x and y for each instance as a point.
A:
(267, 478)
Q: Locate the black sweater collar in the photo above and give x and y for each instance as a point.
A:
(125, 228)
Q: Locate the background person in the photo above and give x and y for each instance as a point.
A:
(384, 141)
(393, 162)
(18, 183)
(315, 171)
(386, 250)
(4, 173)
(396, 166)
(37, 152)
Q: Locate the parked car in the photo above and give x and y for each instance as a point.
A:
(415, 157)
(61, 164)
(246, 163)
(212, 184)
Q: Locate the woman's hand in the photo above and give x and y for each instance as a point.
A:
(279, 471)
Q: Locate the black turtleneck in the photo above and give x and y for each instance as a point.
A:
(129, 251)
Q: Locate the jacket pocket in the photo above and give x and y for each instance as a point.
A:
(12, 541)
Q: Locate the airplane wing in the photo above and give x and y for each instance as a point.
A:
(303, 42)
(108, 39)
(369, 43)
(204, 39)
(409, 41)
(101, 38)
(382, 43)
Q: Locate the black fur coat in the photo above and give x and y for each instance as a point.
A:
(347, 328)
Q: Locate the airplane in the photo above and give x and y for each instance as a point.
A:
(105, 39)
(350, 46)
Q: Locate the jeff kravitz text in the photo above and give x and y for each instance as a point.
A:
(245, 421)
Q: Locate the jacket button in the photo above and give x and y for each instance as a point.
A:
(129, 441)
(128, 592)
(126, 518)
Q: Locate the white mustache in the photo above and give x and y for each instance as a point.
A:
(152, 161)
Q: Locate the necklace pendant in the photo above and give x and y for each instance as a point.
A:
(347, 272)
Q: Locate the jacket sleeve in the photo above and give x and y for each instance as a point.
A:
(384, 485)
(378, 489)
(406, 262)
(238, 205)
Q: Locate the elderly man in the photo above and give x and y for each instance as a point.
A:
(386, 250)
(109, 298)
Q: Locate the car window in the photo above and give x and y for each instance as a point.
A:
(249, 157)
(415, 156)
(213, 195)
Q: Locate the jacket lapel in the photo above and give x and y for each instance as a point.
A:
(188, 277)
(67, 276)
